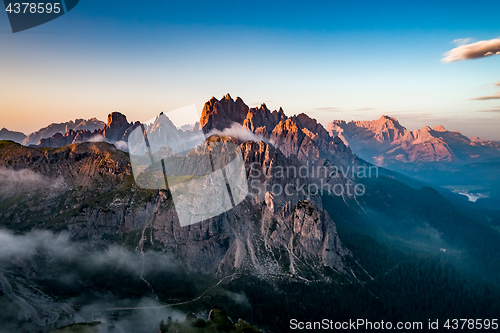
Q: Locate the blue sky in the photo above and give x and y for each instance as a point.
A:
(331, 60)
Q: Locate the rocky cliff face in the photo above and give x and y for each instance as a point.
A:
(221, 114)
(386, 142)
(377, 134)
(88, 189)
(262, 121)
(117, 128)
(299, 135)
(278, 230)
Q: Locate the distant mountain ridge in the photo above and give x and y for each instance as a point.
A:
(5, 134)
(76, 125)
(115, 130)
(386, 142)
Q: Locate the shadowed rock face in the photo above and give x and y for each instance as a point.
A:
(95, 198)
(60, 140)
(5, 134)
(116, 127)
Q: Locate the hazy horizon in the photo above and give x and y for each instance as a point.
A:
(404, 120)
(425, 64)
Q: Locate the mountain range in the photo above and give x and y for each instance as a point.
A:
(5, 134)
(434, 156)
(52, 129)
(386, 142)
(299, 254)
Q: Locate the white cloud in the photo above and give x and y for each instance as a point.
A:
(24, 246)
(237, 131)
(475, 50)
(122, 145)
(26, 180)
(97, 138)
(61, 260)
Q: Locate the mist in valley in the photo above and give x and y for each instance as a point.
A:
(49, 281)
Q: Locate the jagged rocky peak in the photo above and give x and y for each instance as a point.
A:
(161, 121)
(260, 120)
(439, 128)
(299, 135)
(386, 142)
(115, 118)
(222, 114)
(381, 131)
(117, 122)
(263, 119)
(386, 124)
(60, 140)
(311, 127)
(388, 118)
(117, 128)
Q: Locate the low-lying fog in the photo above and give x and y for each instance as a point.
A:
(49, 281)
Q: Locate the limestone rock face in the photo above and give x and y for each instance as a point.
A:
(116, 127)
(260, 120)
(289, 137)
(221, 114)
(299, 135)
(96, 198)
(386, 142)
(272, 233)
(315, 130)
